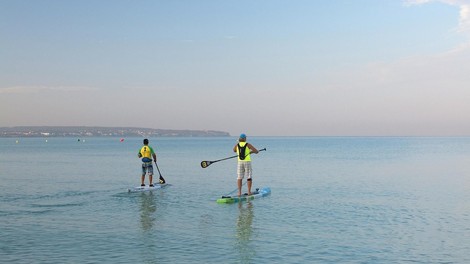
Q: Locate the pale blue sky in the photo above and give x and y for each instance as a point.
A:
(362, 67)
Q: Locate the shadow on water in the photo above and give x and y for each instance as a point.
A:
(244, 231)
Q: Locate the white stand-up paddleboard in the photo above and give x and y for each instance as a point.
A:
(147, 188)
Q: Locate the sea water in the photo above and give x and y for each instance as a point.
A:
(333, 200)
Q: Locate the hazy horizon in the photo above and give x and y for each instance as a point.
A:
(264, 68)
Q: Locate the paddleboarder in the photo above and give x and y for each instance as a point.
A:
(146, 153)
(244, 149)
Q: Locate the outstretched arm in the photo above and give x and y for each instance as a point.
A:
(253, 149)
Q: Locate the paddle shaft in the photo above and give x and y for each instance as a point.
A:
(158, 170)
(207, 163)
(235, 189)
(224, 159)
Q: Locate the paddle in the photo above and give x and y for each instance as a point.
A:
(206, 163)
(161, 178)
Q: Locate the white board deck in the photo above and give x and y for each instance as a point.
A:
(147, 188)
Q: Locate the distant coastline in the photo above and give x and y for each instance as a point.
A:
(90, 131)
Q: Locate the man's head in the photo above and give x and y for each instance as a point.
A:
(146, 141)
(242, 137)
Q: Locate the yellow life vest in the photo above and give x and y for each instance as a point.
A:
(146, 153)
(243, 146)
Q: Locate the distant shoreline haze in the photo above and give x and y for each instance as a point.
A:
(91, 131)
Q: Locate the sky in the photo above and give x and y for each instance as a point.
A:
(260, 67)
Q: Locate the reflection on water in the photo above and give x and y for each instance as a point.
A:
(244, 232)
(148, 207)
(148, 221)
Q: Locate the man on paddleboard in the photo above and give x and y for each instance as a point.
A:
(146, 153)
(244, 149)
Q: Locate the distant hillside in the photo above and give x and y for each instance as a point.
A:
(84, 131)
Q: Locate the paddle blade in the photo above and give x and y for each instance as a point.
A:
(205, 164)
(162, 180)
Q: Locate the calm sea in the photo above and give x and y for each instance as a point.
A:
(334, 200)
